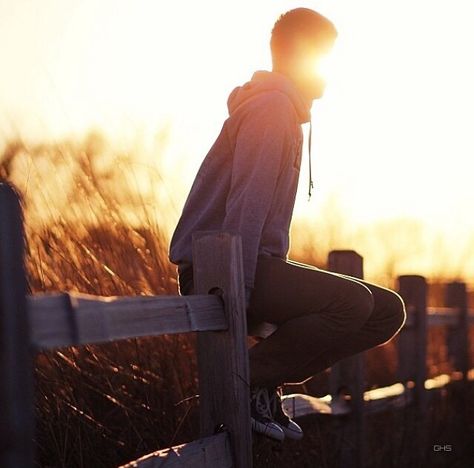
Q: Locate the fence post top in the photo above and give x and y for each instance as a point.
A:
(419, 278)
(344, 252)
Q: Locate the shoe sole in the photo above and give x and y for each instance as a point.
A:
(289, 434)
(292, 431)
(271, 430)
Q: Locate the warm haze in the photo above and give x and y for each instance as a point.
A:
(392, 136)
(107, 109)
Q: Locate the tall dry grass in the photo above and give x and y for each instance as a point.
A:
(90, 229)
(98, 222)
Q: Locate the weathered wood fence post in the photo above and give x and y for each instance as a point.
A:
(457, 341)
(412, 341)
(223, 355)
(16, 367)
(412, 338)
(457, 335)
(348, 375)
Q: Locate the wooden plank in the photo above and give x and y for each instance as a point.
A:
(73, 318)
(435, 316)
(16, 365)
(223, 356)
(412, 344)
(348, 375)
(208, 452)
(457, 338)
(439, 316)
(393, 397)
(442, 316)
(298, 405)
(412, 341)
(381, 399)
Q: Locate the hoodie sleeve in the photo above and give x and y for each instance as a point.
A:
(263, 141)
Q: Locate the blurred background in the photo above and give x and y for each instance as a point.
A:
(393, 144)
(107, 109)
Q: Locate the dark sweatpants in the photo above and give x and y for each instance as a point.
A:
(322, 317)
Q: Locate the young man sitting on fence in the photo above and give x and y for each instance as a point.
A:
(247, 184)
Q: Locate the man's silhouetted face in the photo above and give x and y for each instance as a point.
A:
(303, 68)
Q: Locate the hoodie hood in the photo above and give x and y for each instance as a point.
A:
(263, 80)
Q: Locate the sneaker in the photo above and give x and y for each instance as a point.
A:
(290, 428)
(261, 415)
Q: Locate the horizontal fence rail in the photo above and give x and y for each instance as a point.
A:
(71, 319)
(208, 451)
(31, 323)
(348, 395)
(45, 321)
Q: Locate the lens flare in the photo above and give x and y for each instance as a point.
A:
(324, 67)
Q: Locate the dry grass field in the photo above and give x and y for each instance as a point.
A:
(89, 230)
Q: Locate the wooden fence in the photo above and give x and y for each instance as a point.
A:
(48, 321)
(347, 377)
(217, 311)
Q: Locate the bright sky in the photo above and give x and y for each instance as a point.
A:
(392, 136)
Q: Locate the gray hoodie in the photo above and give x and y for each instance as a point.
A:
(247, 182)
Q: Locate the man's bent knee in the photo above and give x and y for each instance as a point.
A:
(362, 304)
(396, 311)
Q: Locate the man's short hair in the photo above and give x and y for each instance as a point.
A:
(300, 24)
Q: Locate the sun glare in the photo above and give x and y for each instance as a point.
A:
(325, 67)
(393, 126)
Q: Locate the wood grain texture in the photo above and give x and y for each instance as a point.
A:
(223, 356)
(348, 375)
(208, 452)
(457, 338)
(452, 316)
(381, 399)
(16, 366)
(412, 340)
(68, 319)
(412, 343)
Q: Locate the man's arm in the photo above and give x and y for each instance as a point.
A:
(263, 141)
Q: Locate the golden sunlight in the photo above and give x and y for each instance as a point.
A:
(391, 136)
(108, 109)
(327, 67)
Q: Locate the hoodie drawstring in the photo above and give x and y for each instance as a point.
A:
(309, 159)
